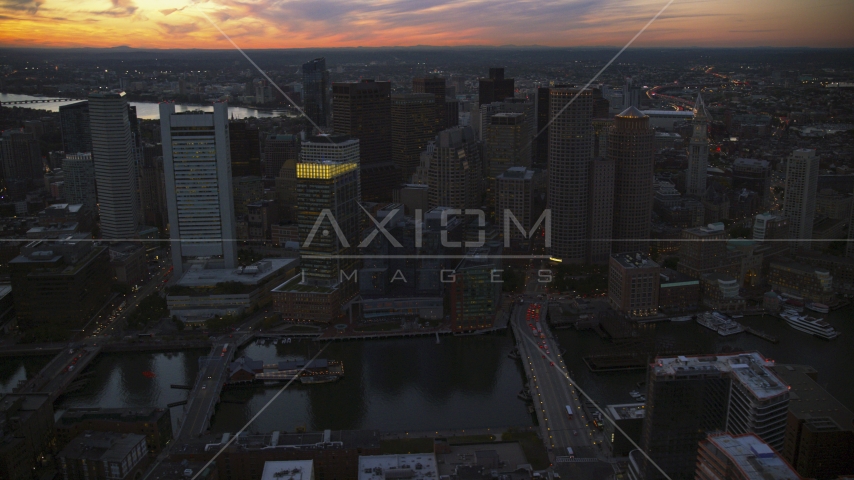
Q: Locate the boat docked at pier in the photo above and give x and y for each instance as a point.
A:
(818, 307)
(812, 325)
(719, 323)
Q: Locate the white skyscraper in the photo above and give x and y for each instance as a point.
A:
(115, 171)
(197, 168)
(698, 151)
(799, 197)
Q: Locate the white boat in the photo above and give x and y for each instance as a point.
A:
(818, 307)
(814, 326)
(719, 323)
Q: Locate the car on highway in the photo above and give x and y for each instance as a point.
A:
(552, 364)
(204, 387)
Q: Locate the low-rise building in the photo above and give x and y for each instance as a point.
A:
(290, 469)
(719, 291)
(103, 456)
(26, 429)
(801, 280)
(819, 428)
(202, 293)
(476, 288)
(633, 284)
(415, 466)
(677, 292)
(129, 263)
(154, 423)
(743, 457)
(629, 417)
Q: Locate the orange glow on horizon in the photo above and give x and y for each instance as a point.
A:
(256, 24)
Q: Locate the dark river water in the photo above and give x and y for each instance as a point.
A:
(417, 384)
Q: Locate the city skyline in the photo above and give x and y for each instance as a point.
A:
(158, 24)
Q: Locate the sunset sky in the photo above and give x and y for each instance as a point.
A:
(341, 23)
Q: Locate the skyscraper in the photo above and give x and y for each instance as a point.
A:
(79, 186)
(278, 149)
(74, 125)
(413, 124)
(21, 157)
(152, 189)
(800, 195)
(495, 88)
(315, 82)
(455, 172)
(690, 397)
(601, 209)
(363, 110)
(245, 149)
(514, 192)
(724, 456)
(115, 169)
(570, 152)
(630, 146)
(436, 87)
(507, 143)
(197, 168)
(698, 151)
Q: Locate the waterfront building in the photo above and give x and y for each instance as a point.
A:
(59, 285)
(476, 289)
(819, 428)
(800, 280)
(413, 126)
(114, 155)
(455, 174)
(601, 209)
(630, 147)
(719, 291)
(495, 88)
(292, 469)
(20, 156)
(629, 417)
(74, 126)
(698, 150)
(724, 456)
(328, 187)
(633, 284)
(245, 147)
(415, 466)
(677, 292)
(802, 169)
(103, 456)
(570, 152)
(335, 454)
(26, 432)
(315, 83)
(362, 110)
(704, 250)
(754, 175)
(689, 397)
(206, 290)
(197, 169)
(154, 423)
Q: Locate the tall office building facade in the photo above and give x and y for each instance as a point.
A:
(328, 184)
(630, 146)
(245, 149)
(601, 209)
(698, 151)
(115, 165)
(570, 152)
(21, 157)
(152, 189)
(413, 124)
(278, 150)
(753, 175)
(799, 201)
(514, 193)
(690, 397)
(197, 169)
(79, 181)
(455, 172)
(74, 126)
(495, 88)
(315, 82)
(506, 144)
(436, 86)
(363, 110)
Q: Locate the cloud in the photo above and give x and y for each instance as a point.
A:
(120, 8)
(26, 6)
(181, 29)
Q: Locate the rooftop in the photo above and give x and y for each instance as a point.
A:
(754, 457)
(634, 260)
(810, 402)
(303, 441)
(199, 276)
(102, 446)
(663, 113)
(418, 466)
(288, 470)
(627, 411)
(750, 369)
